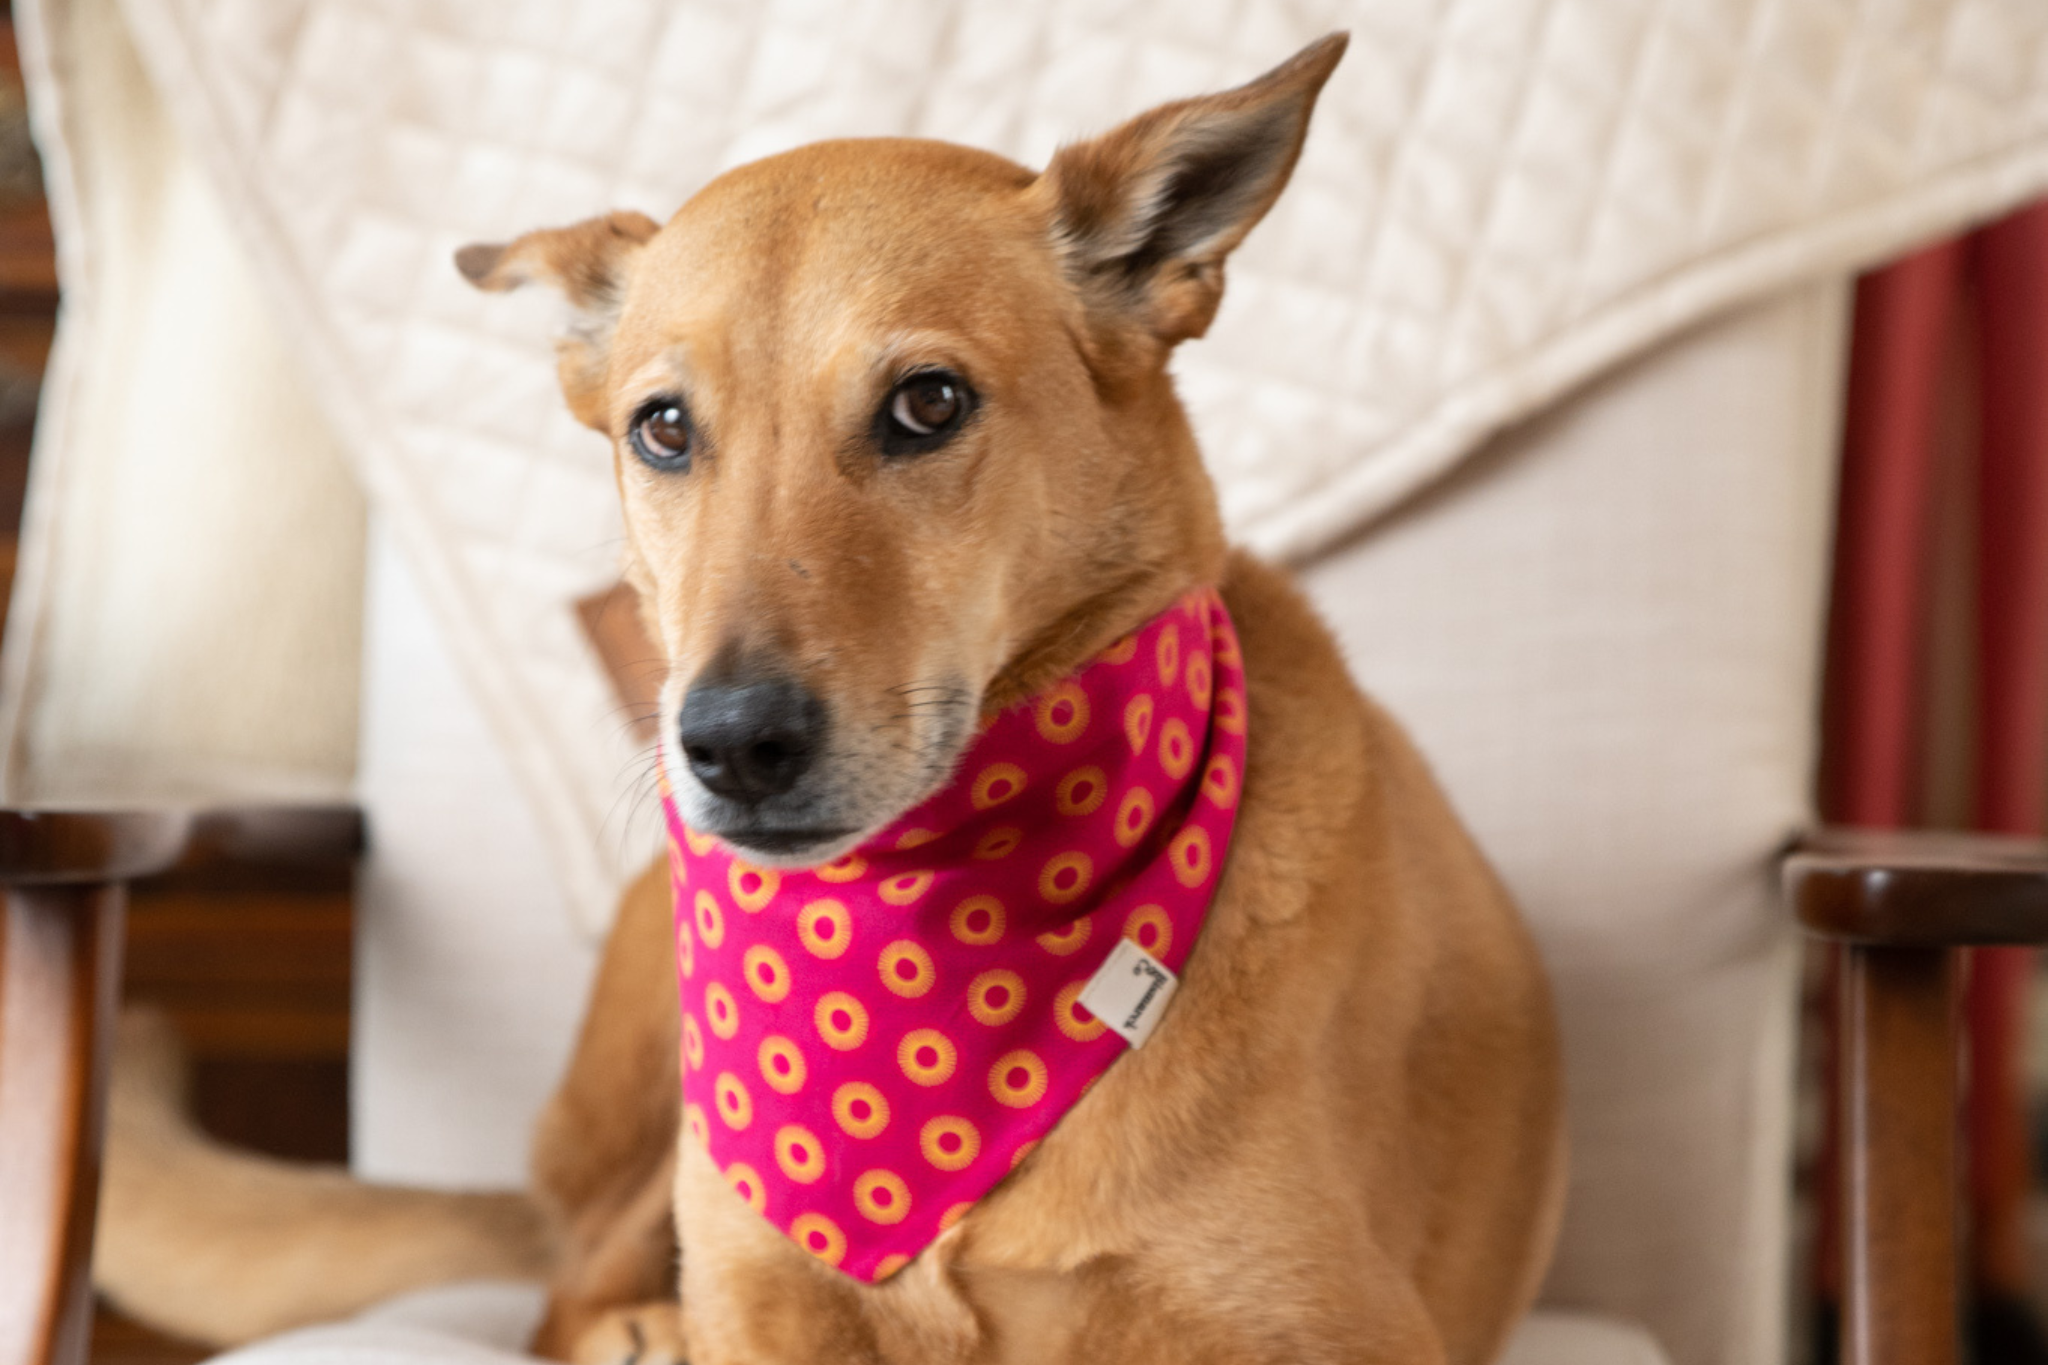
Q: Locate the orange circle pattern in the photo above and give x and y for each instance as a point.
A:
(1229, 712)
(1198, 680)
(1189, 856)
(842, 1021)
(996, 997)
(905, 887)
(820, 1236)
(978, 921)
(1066, 941)
(950, 1142)
(721, 1011)
(1065, 877)
(927, 1056)
(998, 843)
(694, 1126)
(1138, 721)
(746, 1182)
(860, 1110)
(1073, 1017)
(710, 919)
(1081, 792)
(1168, 655)
(1062, 713)
(733, 1102)
(907, 969)
(1150, 928)
(1133, 817)
(825, 928)
(782, 1064)
(766, 973)
(1219, 781)
(799, 1153)
(1018, 1079)
(752, 887)
(882, 1197)
(846, 868)
(1176, 748)
(997, 783)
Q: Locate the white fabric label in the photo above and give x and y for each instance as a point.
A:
(1129, 991)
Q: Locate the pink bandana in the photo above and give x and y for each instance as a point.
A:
(870, 1045)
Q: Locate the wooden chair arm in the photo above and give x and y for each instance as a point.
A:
(1920, 888)
(275, 836)
(57, 847)
(64, 875)
(1900, 904)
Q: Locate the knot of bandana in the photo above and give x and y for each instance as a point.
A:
(870, 1045)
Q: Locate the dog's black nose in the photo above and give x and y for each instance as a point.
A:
(750, 740)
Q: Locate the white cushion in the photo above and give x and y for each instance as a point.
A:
(482, 1322)
(1546, 1338)
(469, 978)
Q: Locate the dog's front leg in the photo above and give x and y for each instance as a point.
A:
(645, 1334)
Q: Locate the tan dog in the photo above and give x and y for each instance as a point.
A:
(895, 415)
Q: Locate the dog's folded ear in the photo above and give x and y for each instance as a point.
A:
(588, 262)
(1145, 214)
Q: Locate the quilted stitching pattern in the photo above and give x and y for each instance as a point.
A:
(1500, 197)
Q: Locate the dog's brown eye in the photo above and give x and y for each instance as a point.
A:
(925, 405)
(661, 435)
(923, 411)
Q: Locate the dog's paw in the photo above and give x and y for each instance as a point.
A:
(647, 1334)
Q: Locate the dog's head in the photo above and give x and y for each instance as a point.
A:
(895, 436)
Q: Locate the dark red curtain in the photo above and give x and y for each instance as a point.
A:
(1908, 317)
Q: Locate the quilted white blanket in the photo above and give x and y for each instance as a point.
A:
(1499, 199)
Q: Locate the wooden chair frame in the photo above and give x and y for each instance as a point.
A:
(1900, 906)
(64, 875)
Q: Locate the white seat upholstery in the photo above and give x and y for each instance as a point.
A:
(479, 1323)
(1605, 634)
(470, 974)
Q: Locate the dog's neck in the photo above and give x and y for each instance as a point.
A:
(1174, 542)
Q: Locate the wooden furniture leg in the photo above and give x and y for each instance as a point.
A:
(1902, 905)
(1900, 1178)
(60, 974)
(64, 875)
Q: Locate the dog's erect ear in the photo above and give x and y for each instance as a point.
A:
(1146, 213)
(588, 262)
